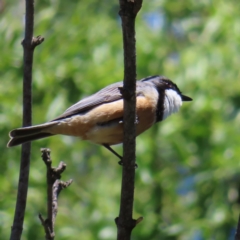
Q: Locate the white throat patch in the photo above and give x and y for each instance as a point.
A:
(172, 102)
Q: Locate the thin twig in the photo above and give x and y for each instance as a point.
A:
(29, 44)
(54, 187)
(125, 222)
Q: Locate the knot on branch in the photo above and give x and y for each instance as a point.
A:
(58, 186)
(138, 220)
(129, 225)
(35, 41)
(56, 172)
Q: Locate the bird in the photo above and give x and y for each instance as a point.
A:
(99, 117)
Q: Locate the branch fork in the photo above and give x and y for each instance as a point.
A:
(55, 186)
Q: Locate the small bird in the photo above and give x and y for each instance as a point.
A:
(99, 117)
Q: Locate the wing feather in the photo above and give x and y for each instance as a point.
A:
(106, 95)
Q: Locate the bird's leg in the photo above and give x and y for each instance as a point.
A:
(115, 153)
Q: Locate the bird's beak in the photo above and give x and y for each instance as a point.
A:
(186, 98)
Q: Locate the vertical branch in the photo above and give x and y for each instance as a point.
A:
(29, 44)
(125, 222)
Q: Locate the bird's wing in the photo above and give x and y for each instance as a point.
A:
(106, 95)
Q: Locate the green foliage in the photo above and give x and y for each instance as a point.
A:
(187, 183)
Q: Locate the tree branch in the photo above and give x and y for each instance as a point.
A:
(54, 187)
(29, 44)
(125, 222)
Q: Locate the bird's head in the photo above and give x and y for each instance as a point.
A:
(170, 96)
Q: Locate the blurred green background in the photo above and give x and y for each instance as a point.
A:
(188, 180)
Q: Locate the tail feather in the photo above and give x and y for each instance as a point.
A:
(27, 134)
(20, 140)
(19, 132)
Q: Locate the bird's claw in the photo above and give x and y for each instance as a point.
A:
(121, 164)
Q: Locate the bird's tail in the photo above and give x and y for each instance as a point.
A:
(27, 134)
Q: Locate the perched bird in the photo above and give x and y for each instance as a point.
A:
(99, 117)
